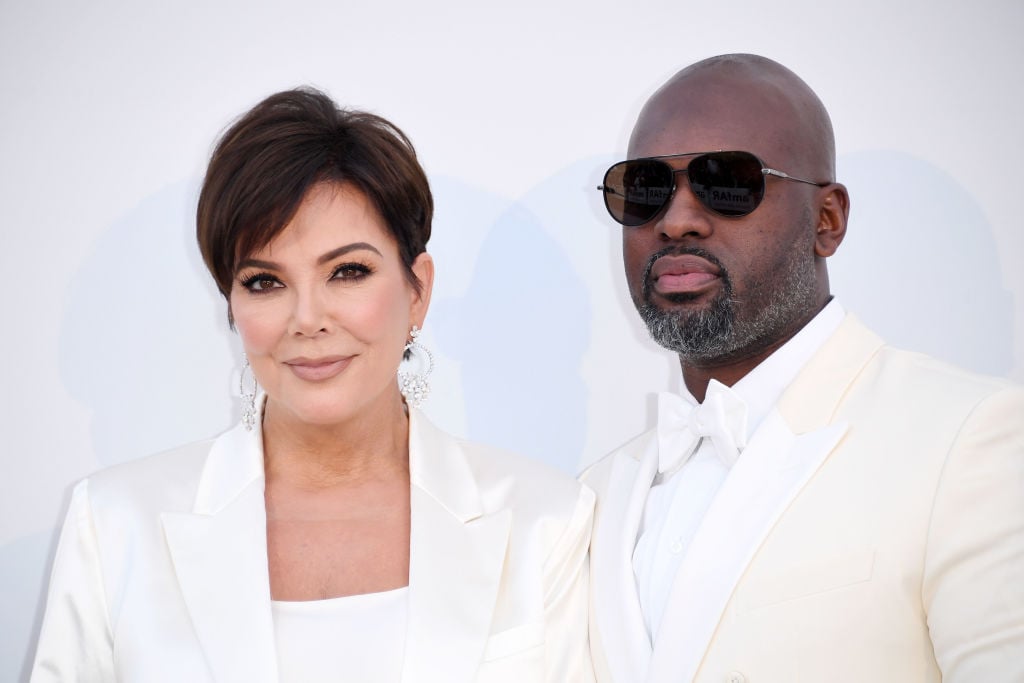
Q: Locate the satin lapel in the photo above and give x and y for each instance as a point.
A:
(457, 554)
(771, 472)
(219, 553)
(620, 623)
(814, 396)
(788, 448)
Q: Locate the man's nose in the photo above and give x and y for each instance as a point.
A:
(684, 215)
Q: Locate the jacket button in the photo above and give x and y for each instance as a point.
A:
(736, 677)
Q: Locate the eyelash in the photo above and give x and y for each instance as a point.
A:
(351, 272)
(355, 270)
(251, 281)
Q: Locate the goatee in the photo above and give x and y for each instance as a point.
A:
(698, 335)
(729, 327)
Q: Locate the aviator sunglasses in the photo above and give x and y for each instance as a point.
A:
(727, 183)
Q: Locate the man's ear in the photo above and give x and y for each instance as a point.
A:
(832, 216)
(423, 269)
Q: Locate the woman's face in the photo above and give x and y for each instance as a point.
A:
(324, 310)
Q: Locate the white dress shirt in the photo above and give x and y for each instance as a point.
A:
(679, 499)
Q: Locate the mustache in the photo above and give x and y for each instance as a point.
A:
(682, 251)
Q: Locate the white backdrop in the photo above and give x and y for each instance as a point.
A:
(116, 344)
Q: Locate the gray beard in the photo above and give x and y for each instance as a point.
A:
(724, 330)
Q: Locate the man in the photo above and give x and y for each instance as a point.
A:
(822, 507)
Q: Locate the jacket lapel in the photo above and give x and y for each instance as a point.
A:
(770, 473)
(790, 445)
(457, 553)
(620, 624)
(814, 396)
(219, 551)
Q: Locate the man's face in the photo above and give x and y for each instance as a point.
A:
(714, 288)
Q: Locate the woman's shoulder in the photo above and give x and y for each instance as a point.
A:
(165, 481)
(505, 479)
(548, 506)
(497, 467)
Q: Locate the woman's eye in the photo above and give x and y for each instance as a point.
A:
(350, 271)
(261, 283)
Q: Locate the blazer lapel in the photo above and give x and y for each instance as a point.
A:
(814, 396)
(219, 551)
(770, 473)
(457, 553)
(620, 624)
(790, 445)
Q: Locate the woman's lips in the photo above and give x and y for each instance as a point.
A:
(683, 274)
(318, 369)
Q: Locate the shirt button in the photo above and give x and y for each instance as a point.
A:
(676, 547)
(736, 677)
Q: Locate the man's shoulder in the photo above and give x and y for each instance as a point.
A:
(856, 363)
(895, 375)
(926, 371)
(929, 394)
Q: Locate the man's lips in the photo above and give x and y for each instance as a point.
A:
(683, 273)
(317, 369)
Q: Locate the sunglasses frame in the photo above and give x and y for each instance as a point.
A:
(765, 171)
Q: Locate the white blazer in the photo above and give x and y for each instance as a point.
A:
(872, 531)
(161, 569)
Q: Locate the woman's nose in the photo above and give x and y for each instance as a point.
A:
(310, 315)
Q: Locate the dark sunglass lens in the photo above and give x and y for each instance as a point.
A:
(728, 183)
(635, 191)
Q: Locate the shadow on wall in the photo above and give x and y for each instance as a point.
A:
(144, 342)
(143, 347)
(519, 332)
(919, 263)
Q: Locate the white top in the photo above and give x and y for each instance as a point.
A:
(354, 638)
(677, 502)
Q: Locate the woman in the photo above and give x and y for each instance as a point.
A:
(335, 534)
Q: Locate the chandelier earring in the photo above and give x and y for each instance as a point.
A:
(417, 365)
(248, 394)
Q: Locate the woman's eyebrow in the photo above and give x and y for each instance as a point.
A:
(335, 253)
(256, 263)
(329, 256)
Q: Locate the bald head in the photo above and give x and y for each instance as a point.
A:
(740, 101)
(722, 290)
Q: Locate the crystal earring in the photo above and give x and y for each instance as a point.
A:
(413, 384)
(248, 397)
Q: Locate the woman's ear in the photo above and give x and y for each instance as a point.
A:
(423, 269)
(832, 216)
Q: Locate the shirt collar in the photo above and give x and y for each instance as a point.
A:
(761, 388)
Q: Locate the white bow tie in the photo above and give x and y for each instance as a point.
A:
(722, 418)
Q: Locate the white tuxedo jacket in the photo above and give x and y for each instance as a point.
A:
(161, 569)
(871, 532)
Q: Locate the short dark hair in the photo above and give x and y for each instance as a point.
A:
(267, 161)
